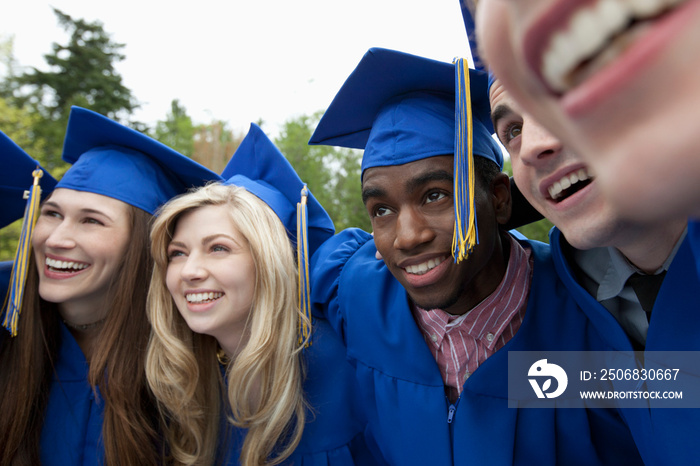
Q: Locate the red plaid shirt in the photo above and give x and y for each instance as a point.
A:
(461, 343)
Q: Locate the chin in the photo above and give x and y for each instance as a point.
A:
(429, 303)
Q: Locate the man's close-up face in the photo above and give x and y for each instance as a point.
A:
(412, 214)
(555, 180)
(615, 81)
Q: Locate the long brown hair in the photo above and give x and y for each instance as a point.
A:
(130, 427)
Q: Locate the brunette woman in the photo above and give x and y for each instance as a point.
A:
(72, 379)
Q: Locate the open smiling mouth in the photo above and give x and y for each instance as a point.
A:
(596, 35)
(569, 185)
(65, 266)
(201, 298)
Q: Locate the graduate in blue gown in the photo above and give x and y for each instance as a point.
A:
(595, 250)
(244, 375)
(401, 109)
(72, 364)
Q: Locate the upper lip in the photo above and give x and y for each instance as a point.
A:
(63, 259)
(202, 290)
(589, 25)
(556, 176)
(541, 30)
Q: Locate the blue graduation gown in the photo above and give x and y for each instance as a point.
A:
(694, 240)
(402, 391)
(333, 434)
(72, 429)
(663, 436)
(5, 273)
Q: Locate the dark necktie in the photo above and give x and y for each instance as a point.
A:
(646, 287)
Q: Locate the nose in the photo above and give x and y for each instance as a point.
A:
(60, 236)
(193, 270)
(538, 145)
(412, 229)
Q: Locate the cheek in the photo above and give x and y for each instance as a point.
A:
(383, 241)
(524, 178)
(41, 232)
(172, 279)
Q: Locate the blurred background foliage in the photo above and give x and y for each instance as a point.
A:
(34, 108)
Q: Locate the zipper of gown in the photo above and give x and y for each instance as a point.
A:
(451, 410)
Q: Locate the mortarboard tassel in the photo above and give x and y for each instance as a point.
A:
(465, 233)
(13, 302)
(303, 264)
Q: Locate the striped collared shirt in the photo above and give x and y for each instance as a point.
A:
(460, 343)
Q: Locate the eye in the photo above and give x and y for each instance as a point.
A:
(219, 248)
(510, 132)
(173, 253)
(381, 211)
(48, 212)
(92, 221)
(513, 131)
(435, 196)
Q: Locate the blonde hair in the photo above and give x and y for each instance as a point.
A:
(182, 367)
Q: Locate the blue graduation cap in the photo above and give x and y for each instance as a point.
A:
(16, 178)
(259, 167)
(23, 184)
(401, 108)
(119, 162)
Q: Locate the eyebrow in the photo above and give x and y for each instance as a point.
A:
(206, 240)
(85, 210)
(499, 112)
(368, 193)
(424, 178)
(412, 185)
(215, 236)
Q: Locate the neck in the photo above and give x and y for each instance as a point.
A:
(84, 324)
(485, 280)
(232, 344)
(86, 335)
(649, 248)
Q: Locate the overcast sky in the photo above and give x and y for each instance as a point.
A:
(240, 61)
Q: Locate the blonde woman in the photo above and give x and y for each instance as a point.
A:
(226, 358)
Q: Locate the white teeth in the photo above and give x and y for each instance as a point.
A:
(420, 269)
(555, 191)
(589, 30)
(202, 297)
(64, 265)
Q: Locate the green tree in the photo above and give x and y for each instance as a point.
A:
(177, 130)
(80, 73)
(538, 230)
(332, 174)
(17, 124)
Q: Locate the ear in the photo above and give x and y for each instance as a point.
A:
(502, 202)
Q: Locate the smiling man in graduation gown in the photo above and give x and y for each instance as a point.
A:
(429, 328)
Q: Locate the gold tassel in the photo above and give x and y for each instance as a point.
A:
(465, 232)
(15, 293)
(303, 264)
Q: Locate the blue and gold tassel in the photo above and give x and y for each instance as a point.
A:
(13, 302)
(465, 234)
(303, 264)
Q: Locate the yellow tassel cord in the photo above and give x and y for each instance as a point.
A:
(13, 301)
(465, 233)
(303, 264)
